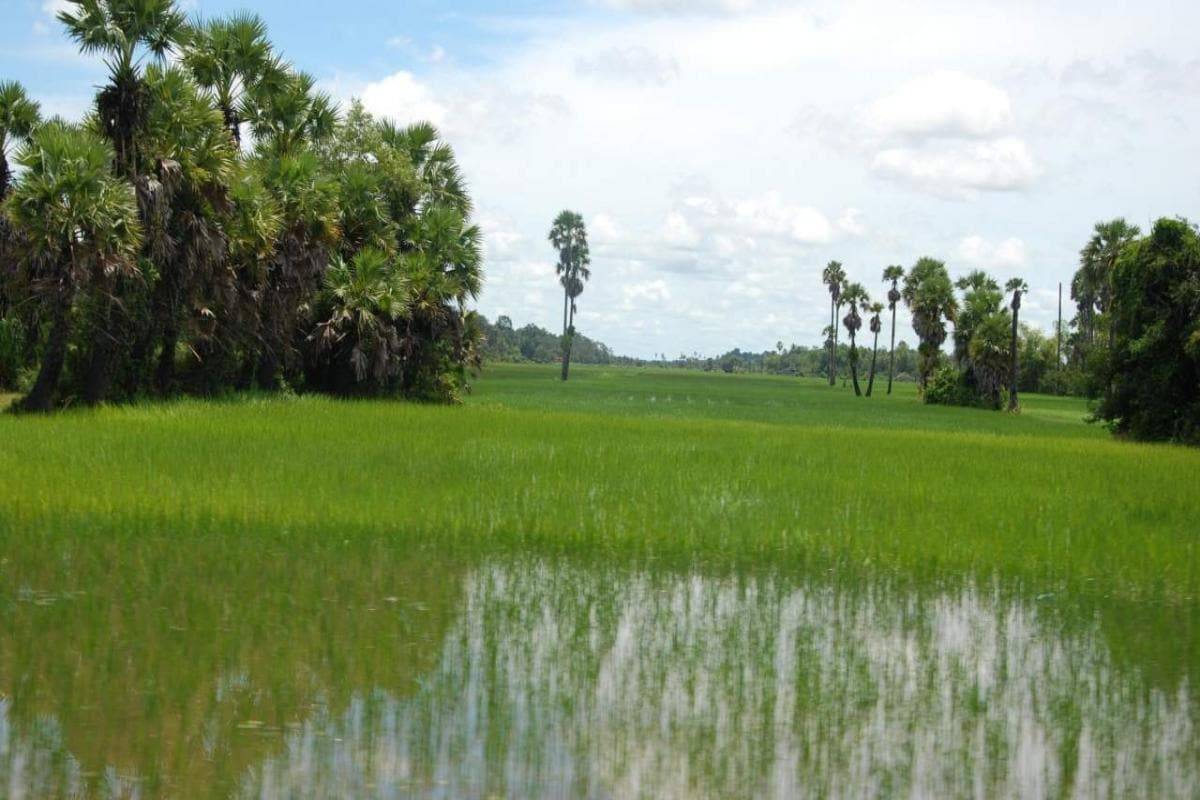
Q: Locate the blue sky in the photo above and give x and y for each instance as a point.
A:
(723, 151)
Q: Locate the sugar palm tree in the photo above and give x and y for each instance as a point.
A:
(439, 177)
(834, 278)
(854, 295)
(568, 235)
(989, 354)
(357, 335)
(195, 158)
(1091, 287)
(19, 115)
(78, 222)
(230, 56)
(894, 274)
(124, 32)
(930, 297)
(875, 310)
(289, 115)
(1017, 287)
(981, 298)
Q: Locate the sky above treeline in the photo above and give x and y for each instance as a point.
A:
(722, 151)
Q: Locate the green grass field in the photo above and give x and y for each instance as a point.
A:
(631, 464)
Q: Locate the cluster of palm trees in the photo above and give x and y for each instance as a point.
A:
(217, 222)
(854, 296)
(985, 335)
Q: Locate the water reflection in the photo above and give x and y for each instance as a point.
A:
(565, 682)
(555, 679)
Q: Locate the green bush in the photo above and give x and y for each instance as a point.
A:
(951, 387)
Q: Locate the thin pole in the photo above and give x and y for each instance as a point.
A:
(1058, 330)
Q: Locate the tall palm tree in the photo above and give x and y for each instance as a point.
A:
(231, 56)
(854, 296)
(195, 157)
(19, 115)
(1017, 287)
(1091, 287)
(894, 274)
(930, 297)
(307, 199)
(124, 32)
(875, 310)
(78, 222)
(834, 278)
(989, 356)
(568, 235)
(981, 298)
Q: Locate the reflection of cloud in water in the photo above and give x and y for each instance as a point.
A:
(563, 681)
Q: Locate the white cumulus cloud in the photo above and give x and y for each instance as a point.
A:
(961, 170)
(979, 252)
(943, 104)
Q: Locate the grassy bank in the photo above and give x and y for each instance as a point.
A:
(706, 468)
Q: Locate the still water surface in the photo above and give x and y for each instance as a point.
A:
(369, 674)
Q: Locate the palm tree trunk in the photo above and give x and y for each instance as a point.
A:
(4, 175)
(566, 305)
(874, 353)
(164, 375)
(892, 356)
(41, 396)
(854, 366)
(568, 340)
(1013, 405)
(833, 342)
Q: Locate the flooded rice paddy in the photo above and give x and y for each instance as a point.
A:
(369, 672)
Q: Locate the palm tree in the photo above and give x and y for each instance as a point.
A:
(834, 277)
(357, 335)
(876, 326)
(79, 223)
(307, 199)
(18, 117)
(124, 32)
(230, 57)
(894, 274)
(989, 356)
(289, 115)
(930, 297)
(981, 298)
(195, 157)
(854, 295)
(1091, 287)
(444, 271)
(568, 235)
(1017, 287)
(439, 177)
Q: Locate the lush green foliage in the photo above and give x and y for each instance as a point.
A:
(1154, 366)
(328, 253)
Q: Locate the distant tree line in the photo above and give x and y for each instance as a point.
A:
(502, 342)
(216, 223)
